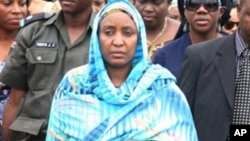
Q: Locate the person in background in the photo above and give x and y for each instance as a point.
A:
(173, 11)
(212, 78)
(108, 99)
(232, 24)
(44, 50)
(98, 4)
(11, 13)
(38, 6)
(160, 28)
(201, 24)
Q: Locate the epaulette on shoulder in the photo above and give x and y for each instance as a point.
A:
(35, 17)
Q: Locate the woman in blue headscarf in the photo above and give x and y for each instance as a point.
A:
(119, 95)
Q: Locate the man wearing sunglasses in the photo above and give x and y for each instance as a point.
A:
(215, 82)
(201, 19)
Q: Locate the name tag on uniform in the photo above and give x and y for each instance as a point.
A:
(45, 45)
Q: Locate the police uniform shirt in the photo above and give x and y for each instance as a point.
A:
(42, 54)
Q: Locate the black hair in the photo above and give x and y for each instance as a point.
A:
(183, 19)
(228, 4)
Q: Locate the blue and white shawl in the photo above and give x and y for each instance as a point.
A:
(147, 106)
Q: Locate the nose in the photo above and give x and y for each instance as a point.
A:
(118, 40)
(16, 8)
(201, 9)
(148, 7)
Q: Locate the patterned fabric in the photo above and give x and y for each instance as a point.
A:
(240, 46)
(242, 103)
(4, 93)
(147, 106)
(152, 49)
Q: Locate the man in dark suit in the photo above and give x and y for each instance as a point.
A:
(208, 76)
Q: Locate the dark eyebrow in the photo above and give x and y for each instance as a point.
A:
(128, 27)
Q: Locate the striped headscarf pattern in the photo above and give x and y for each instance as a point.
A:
(147, 106)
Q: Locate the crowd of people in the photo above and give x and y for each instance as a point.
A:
(123, 69)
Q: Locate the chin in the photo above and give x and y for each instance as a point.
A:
(203, 30)
(68, 10)
(13, 28)
(119, 64)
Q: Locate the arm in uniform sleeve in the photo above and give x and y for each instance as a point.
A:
(10, 110)
(15, 71)
(14, 74)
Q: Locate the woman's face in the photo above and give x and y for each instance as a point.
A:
(11, 12)
(97, 5)
(118, 39)
(152, 11)
(203, 16)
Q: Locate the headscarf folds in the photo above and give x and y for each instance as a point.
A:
(142, 75)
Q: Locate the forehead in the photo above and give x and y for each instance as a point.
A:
(202, 1)
(117, 16)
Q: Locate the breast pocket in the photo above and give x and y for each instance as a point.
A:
(41, 66)
(41, 56)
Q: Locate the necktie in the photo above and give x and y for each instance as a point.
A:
(241, 114)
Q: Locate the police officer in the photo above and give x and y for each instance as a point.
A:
(47, 46)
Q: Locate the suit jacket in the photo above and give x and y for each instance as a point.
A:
(207, 79)
(171, 55)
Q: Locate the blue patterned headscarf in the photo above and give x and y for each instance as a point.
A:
(95, 55)
(143, 73)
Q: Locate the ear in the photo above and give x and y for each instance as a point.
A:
(222, 10)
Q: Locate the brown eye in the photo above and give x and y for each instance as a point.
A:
(6, 3)
(158, 2)
(127, 33)
(141, 1)
(108, 32)
(23, 4)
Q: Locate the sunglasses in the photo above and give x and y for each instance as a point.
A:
(194, 5)
(230, 24)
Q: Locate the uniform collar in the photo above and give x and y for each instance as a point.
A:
(58, 16)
